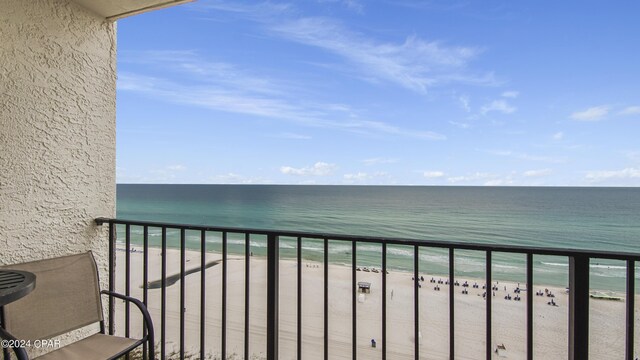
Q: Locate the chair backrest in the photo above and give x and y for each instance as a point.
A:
(66, 297)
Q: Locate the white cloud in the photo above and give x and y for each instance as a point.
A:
(498, 105)
(318, 169)
(591, 114)
(537, 173)
(384, 128)
(510, 94)
(498, 182)
(464, 102)
(232, 178)
(350, 4)
(379, 177)
(460, 125)
(558, 136)
(261, 11)
(483, 178)
(433, 174)
(415, 64)
(470, 178)
(357, 177)
(603, 175)
(631, 110)
(226, 87)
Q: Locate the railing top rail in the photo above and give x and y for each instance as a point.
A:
(395, 241)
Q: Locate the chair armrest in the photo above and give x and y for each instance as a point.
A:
(20, 352)
(145, 314)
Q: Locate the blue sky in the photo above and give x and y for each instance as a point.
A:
(381, 92)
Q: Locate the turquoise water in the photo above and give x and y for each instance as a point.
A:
(580, 218)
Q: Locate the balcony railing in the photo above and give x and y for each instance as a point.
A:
(578, 281)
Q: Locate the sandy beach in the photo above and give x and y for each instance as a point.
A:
(508, 319)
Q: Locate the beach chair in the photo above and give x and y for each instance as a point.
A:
(67, 297)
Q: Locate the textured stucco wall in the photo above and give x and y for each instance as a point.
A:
(57, 130)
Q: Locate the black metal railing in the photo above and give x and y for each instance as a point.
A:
(578, 326)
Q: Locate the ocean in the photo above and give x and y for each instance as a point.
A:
(558, 217)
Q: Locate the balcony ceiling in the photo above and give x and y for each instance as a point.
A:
(116, 9)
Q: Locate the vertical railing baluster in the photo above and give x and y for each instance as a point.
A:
(247, 287)
(163, 296)
(326, 299)
(631, 293)
(299, 300)
(273, 258)
(579, 273)
(416, 303)
(203, 285)
(488, 307)
(384, 301)
(223, 338)
(127, 280)
(579, 307)
(452, 333)
(529, 306)
(354, 302)
(182, 289)
(145, 280)
(112, 274)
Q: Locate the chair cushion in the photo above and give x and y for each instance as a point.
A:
(95, 347)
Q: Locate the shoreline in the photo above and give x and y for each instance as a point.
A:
(595, 293)
(508, 316)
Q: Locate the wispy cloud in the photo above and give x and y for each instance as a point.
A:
(591, 114)
(412, 62)
(353, 5)
(604, 175)
(357, 176)
(259, 11)
(233, 178)
(499, 106)
(226, 87)
(460, 125)
(482, 178)
(558, 136)
(317, 169)
(510, 94)
(464, 102)
(537, 173)
(630, 110)
(415, 64)
(433, 174)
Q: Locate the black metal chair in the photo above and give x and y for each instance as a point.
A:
(67, 297)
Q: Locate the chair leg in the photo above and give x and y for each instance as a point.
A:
(152, 353)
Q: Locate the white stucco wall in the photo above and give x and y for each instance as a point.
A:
(57, 130)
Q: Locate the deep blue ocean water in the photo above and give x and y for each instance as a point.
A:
(581, 218)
